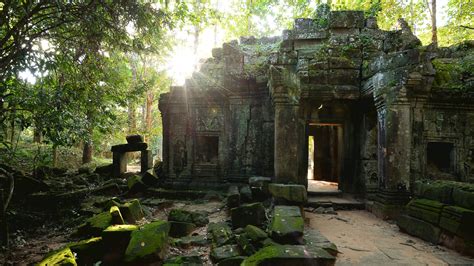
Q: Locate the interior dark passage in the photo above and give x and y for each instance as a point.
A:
(324, 156)
(207, 151)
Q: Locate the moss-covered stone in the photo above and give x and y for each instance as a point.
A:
(419, 228)
(180, 215)
(290, 255)
(94, 225)
(135, 184)
(287, 225)
(149, 242)
(88, 251)
(313, 238)
(255, 233)
(245, 194)
(246, 214)
(233, 197)
(63, 257)
(220, 233)
(180, 229)
(116, 215)
(224, 252)
(188, 241)
(245, 244)
(234, 261)
(131, 211)
(288, 192)
(183, 260)
(149, 178)
(426, 210)
(459, 221)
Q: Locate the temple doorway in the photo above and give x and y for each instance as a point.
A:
(324, 156)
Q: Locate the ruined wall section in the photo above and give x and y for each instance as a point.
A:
(226, 104)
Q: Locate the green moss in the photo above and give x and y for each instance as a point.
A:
(116, 215)
(286, 253)
(255, 233)
(61, 257)
(148, 242)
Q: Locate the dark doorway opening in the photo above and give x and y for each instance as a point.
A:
(440, 156)
(207, 151)
(325, 146)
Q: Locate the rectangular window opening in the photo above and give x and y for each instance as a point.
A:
(440, 156)
(207, 149)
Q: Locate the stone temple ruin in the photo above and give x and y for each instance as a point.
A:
(385, 112)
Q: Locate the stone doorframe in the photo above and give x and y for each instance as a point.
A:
(120, 157)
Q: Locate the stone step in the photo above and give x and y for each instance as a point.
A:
(339, 202)
(325, 193)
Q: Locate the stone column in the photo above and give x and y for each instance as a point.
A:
(119, 163)
(146, 160)
(394, 150)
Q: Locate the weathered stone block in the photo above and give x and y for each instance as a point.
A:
(224, 252)
(116, 215)
(149, 178)
(464, 197)
(189, 241)
(131, 139)
(233, 197)
(88, 251)
(290, 255)
(115, 240)
(61, 257)
(135, 184)
(131, 211)
(219, 233)
(313, 238)
(234, 261)
(184, 260)
(255, 233)
(180, 215)
(244, 215)
(95, 225)
(289, 192)
(419, 228)
(122, 148)
(149, 242)
(180, 229)
(287, 225)
(346, 19)
(459, 221)
(245, 194)
(426, 210)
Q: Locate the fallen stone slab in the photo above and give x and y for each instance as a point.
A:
(115, 240)
(290, 255)
(246, 214)
(245, 194)
(313, 238)
(459, 221)
(234, 261)
(426, 210)
(150, 242)
(288, 193)
(220, 233)
(88, 251)
(135, 184)
(180, 229)
(184, 260)
(131, 211)
(233, 197)
(189, 241)
(149, 178)
(287, 225)
(61, 257)
(224, 252)
(197, 218)
(419, 228)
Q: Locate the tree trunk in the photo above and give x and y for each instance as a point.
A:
(132, 119)
(87, 152)
(37, 136)
(148, 113)
(197, 32)
(434, 28)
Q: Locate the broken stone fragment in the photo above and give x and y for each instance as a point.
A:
(180, 215)
(255, 233)
(259, 187)
(233, 197)
(184, 260)
(135, 184)
(134, 139)
(104, 170)
(245, 194)
(288, 192)
(131, 211)
(458, 221)
(94, 225)
(290, 255)
(61, 257)
(180, 229)
(419, 228)
(115, 240)
(224, 252)
(220, 233)
(313, 238)
(149, 178)
(287, 225)
(244, 215)
(188, 241)
(116, 215)
(150, 242)
(88, 251)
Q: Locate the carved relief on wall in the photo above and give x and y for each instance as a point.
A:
(209, 119)
(439, 122)
(180, 156)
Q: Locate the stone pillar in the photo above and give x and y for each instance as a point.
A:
(119, 163)
(394, 150)
(146, 160)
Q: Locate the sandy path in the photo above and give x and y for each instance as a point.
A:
(363, 239)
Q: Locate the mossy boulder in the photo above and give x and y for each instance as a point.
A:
(115, 240)
(255, 233)
(116, 215)
(180, 229)
(135, 184)
(245, 244)
(220, 233)
(180, 215)
(459, 221)
(246, 214)
(131, 211)
(150, 242)
(288, 193)
(234, 261)
(290, 255)
(224, 252)
(63, 257)
(88, 251)
(94, 225)
(287, 225)
(313, 238)
(233, 197)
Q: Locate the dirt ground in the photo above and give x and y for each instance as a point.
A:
(363, 239)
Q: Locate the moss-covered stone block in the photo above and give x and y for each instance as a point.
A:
(245, 244)
(233, 197)
(94, 225)
(135, 184)
(116, 215)
(459, 221)
(224, 252)
(189, 241)
(255, 233)
(149, 178)
(419, 228)
(180, 229)
(245, 194)
(290, 255)
(220, 233)
(183, 260)
(287, 225)
(150, 242)
(464, 196)
(234, 261)
(246, 214)
(313, 238)
(131, 211)
(180, 215)
(289, 192)
(88, 251)
(63, 257)
(426, 210)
